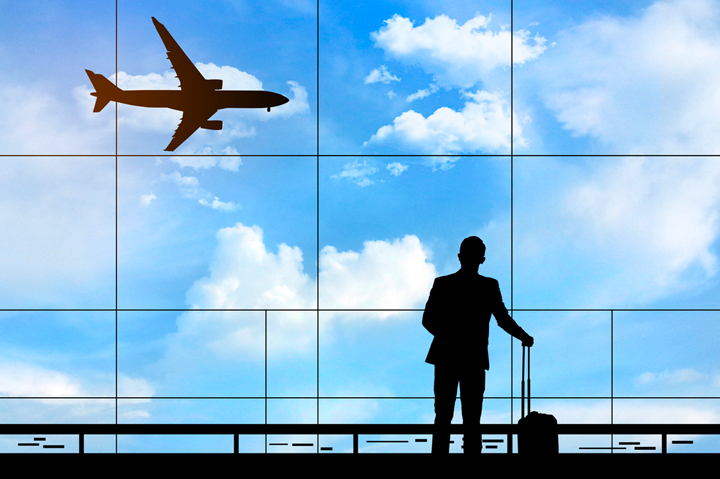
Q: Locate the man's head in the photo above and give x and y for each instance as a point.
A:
(472, 252)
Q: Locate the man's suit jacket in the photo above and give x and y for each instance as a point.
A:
(458, 313)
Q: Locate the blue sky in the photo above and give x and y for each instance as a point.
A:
(408, 93)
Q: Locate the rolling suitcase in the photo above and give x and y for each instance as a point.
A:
(537, 433)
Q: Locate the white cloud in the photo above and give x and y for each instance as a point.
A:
(383, 275)
(441, 162)
(138, 414)
(244, 274)
(297, 105)
(677, 376)
(278, 280)
(629, 231)
(380, 75)
(422, 93)
(22, 379)
(189, 187)
(216, 204)
(458, 56)
(134, 387)
(396, 168)
(146, 199)
(641, 84)
(233, 79)
(391, 94)
(357, 172)
(482, 125)
(228, 163)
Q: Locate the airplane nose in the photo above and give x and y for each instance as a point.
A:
(282, 99)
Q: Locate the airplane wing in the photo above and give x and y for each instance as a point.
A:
(190, 122)
(187, 73)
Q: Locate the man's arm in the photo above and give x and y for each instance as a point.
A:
(430, 319)
(504, 319)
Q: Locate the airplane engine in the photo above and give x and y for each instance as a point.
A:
(214, 84)
(212, 125)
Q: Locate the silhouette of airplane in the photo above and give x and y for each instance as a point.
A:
(198, 98)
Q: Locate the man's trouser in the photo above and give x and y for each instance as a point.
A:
(472, 388)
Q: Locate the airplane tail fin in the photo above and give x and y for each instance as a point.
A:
(105, 90)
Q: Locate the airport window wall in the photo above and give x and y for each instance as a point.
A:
(275, 271)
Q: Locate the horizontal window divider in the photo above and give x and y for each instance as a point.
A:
(121, 310)
(105, 398)
(358, 155)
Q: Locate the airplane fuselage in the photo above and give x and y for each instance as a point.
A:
(214, 99)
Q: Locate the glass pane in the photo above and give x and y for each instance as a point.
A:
(666, 353)
(415, 78)
(45, 48)
(52, 354)
(58, 221)
(608, 82)
(384, 237)
(292, 353)
(280, 60)
(191, 353)
(571, 354)
(367, 356)
(621, 233)
(172, 443)
(666, 411)
(217, 232)
(191, 411)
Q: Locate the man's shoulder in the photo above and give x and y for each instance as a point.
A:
(488, 280)
(459, 278)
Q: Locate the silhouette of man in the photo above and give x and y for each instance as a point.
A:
(457, 314)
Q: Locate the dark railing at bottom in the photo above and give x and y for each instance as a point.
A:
(355, 430)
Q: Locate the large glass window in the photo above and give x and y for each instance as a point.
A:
(275, 271)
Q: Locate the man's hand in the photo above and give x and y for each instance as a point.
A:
(529, 341)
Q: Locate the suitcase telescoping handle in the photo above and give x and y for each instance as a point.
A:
(523, 382)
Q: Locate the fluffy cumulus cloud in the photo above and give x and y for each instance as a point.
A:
(641, 84)
(482, 125)
(357, 172)
(458, 56)
(383, 275)
(244, 274)
(278, 279)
